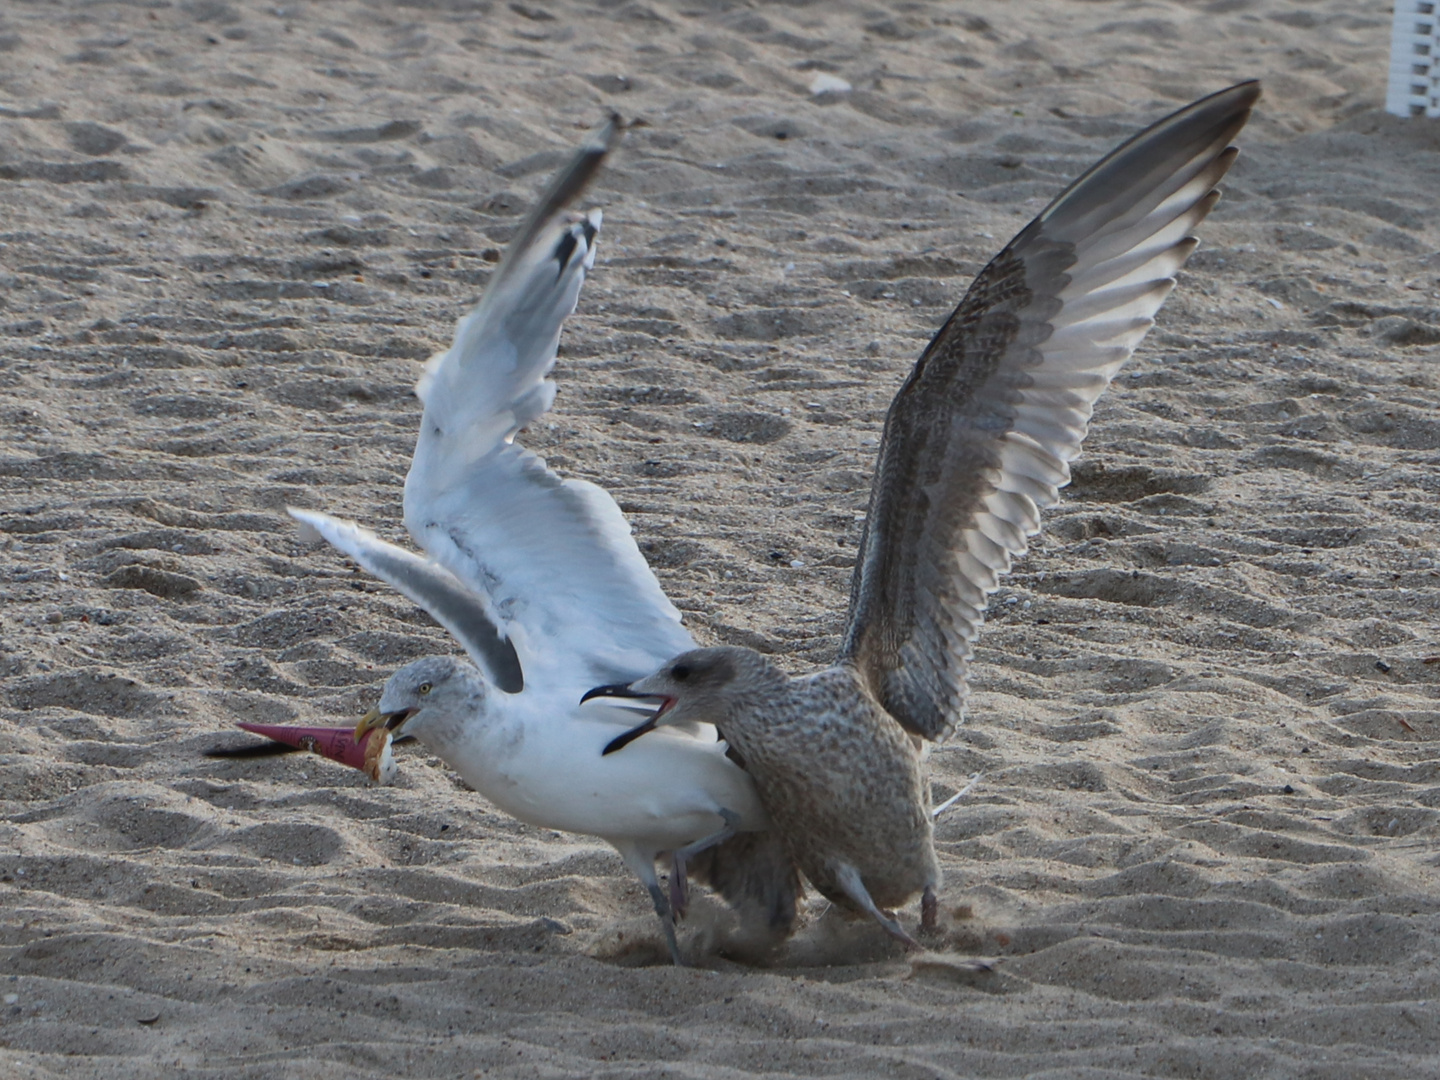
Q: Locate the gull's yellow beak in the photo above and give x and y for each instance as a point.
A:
(368, 723)
(375, 719)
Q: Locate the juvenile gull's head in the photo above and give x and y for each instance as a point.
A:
(703, 685)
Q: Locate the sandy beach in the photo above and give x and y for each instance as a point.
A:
(1204, 840)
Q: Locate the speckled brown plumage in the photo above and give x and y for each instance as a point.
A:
(842, 782)
(977, 442)
(860, 762)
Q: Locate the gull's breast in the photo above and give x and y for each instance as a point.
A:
(550, 771)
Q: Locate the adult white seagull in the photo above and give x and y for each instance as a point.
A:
(540, 580)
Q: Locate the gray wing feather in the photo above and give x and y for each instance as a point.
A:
(554, 557)
(492, 381)
(979, 438)
(466, 615)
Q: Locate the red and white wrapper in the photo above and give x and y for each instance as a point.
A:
(372, 755)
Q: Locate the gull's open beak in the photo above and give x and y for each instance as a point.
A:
(376, 719)
(623, 690)
(618, 689)
(368, 723)
(622, 741)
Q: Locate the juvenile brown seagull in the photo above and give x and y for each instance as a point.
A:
(976, 443)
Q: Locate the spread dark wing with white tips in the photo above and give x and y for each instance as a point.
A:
(554, 557)
(979, 438)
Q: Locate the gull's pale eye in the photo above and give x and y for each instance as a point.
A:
(425, 688)
(680, 673)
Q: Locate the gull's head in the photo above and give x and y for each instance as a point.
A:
(702, 685)
(421, 692)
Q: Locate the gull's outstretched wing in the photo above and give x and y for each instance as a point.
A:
(555, 559)
(468, 617)
(491, 382)
(978, 439)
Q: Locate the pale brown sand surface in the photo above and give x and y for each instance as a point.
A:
(1204, 841)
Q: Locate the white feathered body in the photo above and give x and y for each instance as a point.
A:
(539, 578)
(539, 758)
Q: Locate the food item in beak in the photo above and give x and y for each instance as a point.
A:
(372, 755)
(379, 759)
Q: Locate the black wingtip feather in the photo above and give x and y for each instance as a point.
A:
(564, 189)
(564, 248)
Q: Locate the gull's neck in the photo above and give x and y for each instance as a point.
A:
(767, 703)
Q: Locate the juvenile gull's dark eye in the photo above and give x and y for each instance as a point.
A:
(680, 673)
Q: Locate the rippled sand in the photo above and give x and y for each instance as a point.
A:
(1204, 844)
